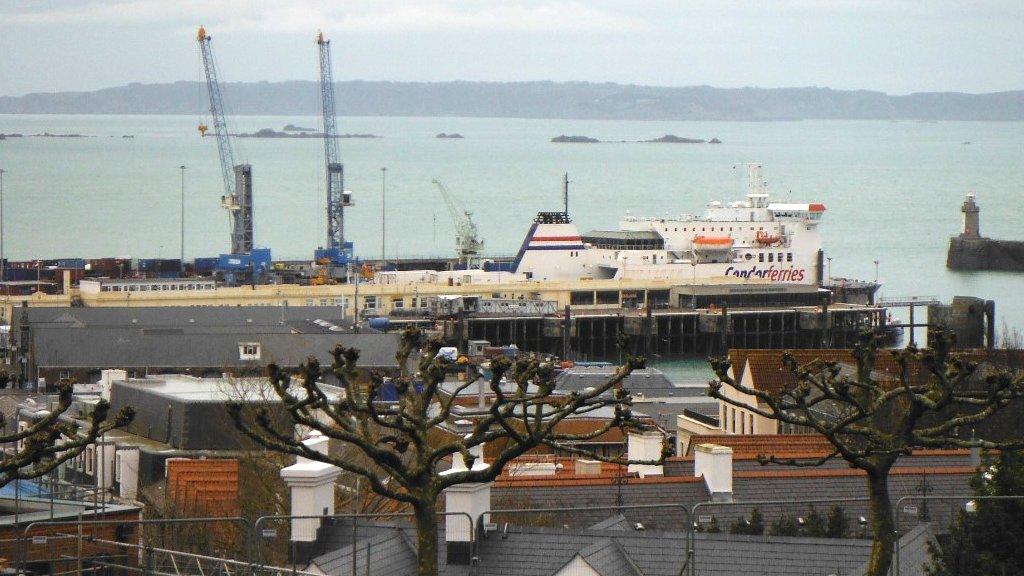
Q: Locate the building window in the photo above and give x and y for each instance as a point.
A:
(398, 303)
(249, 351)
(789, 256)
(370, 302)
(760, 257)
(771, 257)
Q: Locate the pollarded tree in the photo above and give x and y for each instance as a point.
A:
(399, 441)
(50, 441)
(872, 422)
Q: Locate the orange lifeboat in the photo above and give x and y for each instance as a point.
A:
(767, 239)
(713, 242)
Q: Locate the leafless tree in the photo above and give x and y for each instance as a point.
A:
(400, 440)
(52, 440)
(934, 403)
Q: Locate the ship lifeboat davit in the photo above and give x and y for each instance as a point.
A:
(766, 239)
(713, 243)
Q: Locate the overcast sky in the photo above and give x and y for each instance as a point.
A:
(894, 46)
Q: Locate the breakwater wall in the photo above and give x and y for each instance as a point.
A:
(966, 253)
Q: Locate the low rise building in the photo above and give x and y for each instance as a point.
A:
(79, 343)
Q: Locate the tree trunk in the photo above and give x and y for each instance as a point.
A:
(883, 524)
(426, 537)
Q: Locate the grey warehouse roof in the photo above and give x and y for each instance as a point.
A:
(134, 348)
(226, 318)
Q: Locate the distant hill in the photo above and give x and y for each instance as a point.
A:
(577, 100)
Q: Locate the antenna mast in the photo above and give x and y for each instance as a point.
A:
(565, 194)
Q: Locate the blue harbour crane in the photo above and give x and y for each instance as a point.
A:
(337, 250)
(237, 197)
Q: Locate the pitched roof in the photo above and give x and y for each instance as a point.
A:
(769, 374)
(649, 382)
(531, 551)
(388, 551)
(607, 558)
(752, 445)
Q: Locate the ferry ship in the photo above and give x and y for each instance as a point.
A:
(750, 239)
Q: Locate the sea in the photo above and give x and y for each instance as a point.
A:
(893, 189)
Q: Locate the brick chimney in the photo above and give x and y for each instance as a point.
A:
(714, 463)
(473, 499)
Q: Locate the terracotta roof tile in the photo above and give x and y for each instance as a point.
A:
(771, 376)
(750, 445)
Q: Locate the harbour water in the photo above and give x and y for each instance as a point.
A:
(893, 189)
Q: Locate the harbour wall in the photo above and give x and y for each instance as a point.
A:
(966, 253)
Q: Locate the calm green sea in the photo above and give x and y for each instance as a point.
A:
(893, 189)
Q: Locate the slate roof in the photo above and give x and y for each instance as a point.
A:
(606, 556)
(664, 413)
(134, 348)
(389, 551)
(525, 551)
(650, 382)
(598, 496)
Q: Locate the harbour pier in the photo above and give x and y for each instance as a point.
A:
(593, 334)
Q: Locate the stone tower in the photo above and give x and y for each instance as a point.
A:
(972, 227)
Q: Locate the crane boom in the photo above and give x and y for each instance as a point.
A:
(336, 197)
(237, 198)
(467, 240)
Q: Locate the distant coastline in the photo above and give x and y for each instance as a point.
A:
(541, 100)
(293, 133)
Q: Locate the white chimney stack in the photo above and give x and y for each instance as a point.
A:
(644, 446)
(107, 379)
(311, 484)
(127, 462)
(714, 463)
(472, 499)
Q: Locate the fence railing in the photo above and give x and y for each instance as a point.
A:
(265, 546)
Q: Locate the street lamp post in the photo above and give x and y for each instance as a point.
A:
(383, 216)
(876, 271)
(829, 279)
(3, 261)
(182, 262)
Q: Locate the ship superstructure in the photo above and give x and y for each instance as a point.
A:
(752, 238)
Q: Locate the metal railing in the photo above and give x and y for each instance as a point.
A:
(899, 506)
(96, 550)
